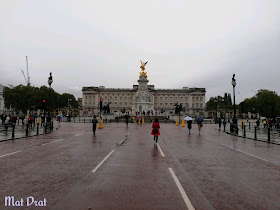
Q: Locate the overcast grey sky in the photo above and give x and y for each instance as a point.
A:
(187, 43)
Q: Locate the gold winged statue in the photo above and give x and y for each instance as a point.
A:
(142, 73)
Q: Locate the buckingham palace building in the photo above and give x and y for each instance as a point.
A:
(143, 98)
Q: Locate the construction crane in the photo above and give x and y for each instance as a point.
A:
(27, 79)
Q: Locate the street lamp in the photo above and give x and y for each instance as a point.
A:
(50, 80)
(68, 103)
(50, 83)
(234, 121)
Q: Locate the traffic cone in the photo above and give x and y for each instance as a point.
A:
(183, 123)
(100, 124)
(177, 122)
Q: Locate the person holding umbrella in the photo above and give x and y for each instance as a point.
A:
(155, 130)
(199, 121)
(189, 122)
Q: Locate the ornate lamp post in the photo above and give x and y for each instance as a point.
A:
(234, 121)
(50, 83)
(50, 80)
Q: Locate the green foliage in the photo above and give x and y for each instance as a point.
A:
(223, 102)
(27, 97)
(265, 102)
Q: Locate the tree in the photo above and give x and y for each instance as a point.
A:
(265, 102)
(23, 98)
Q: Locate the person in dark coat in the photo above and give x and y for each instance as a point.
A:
(224, 123)
(155, 130)
(94, 122)
(220, 123)
(189, 122)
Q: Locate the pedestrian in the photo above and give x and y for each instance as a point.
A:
(258, 123)
(264, 123)
(220, 123)
(94, 122)
(199, 125)
(6, 123)
(224, 123)
(189, 122)
(155, 131)
(126, 119)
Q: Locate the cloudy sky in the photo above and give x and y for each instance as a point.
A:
(187, 43)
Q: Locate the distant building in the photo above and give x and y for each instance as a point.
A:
(2, 105)
(143, 97)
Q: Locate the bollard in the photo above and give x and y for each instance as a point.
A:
(18, 121)
(244, 128)
(13, 134)
(74, 119)
(268, 133)
(242, 125)
(249, 125)
(45, 127)
(37, 128)
(256, 132)
(26, 134)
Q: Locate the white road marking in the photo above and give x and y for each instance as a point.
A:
(94, 170)
(52, 142)
(10, 153)
(161, 152)
(181, 189)
(124, 138)
(250, 154)
(78, 134)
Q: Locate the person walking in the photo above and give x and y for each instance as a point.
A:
(264, 123)
(189, 122)
(220, 123)
(155, 131)
(258, 123)
(126, 119)
(224, 124)
(199, 125)
(94, 122)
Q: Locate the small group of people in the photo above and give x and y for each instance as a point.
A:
(199, 126)
(156, 127)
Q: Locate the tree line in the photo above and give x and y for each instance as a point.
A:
(23, 98)
(264, 102)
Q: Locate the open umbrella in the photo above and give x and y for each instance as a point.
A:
(188, 118)
(199, 119)
(59, 116)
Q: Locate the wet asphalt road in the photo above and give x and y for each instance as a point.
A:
(67, 167)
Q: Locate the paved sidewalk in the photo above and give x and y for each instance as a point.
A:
(20, 132)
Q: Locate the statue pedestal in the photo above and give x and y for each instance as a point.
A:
(143, 99)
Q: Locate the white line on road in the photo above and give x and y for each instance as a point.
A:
(78, 134)
(10, 153)
(161, 152)
(94, 170)
(52, 142)
(181, 189)
(124, 138)
(250, 154)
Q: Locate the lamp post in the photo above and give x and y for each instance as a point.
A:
(50, 80)
(234, 121)
(50, 83)
(68, 115)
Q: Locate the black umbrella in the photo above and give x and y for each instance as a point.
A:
(199, 119)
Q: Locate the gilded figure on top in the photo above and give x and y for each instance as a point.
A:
(143, 73)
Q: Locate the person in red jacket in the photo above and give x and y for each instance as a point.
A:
(155, 130)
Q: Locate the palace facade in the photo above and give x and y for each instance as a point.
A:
(144, 97)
